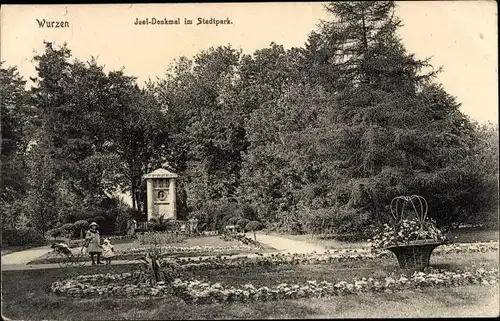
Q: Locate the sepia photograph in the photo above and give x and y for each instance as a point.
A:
(257, 160)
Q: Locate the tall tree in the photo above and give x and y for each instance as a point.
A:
(383, 131)
(207, 139)
(80, 108)
(14, 103)
(279, 164)
(141, 137)
(15, 117)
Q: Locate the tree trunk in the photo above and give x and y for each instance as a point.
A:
(133, 191)
(365, 46)
(376, 206)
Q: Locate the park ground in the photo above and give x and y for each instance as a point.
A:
(25, 292)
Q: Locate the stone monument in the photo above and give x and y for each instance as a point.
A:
(161, 194)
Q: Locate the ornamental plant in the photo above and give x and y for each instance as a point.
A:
(407, 226)
(152, 268)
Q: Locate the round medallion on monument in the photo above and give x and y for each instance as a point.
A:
(161, 195)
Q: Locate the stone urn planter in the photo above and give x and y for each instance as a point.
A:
(410, 235)
(415, 255)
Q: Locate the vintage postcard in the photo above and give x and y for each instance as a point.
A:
(249, 160)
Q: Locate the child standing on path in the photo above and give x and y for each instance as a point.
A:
(108, 251)
(93, 243)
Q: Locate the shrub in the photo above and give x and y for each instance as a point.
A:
(247, 211)
(233, 220)
(122, 219)
(242, 238)
(81, 226)
(217, 216)
(98, 219)
(55, 233)
(242, 223)
(67, 229)
(225, 209)
(289, 222)
(253, 226)
(68, 226)
(161, 225)
(21, 237)
(345, 222)
(320, 221)
(202, 217)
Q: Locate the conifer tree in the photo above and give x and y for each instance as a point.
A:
(386, 128)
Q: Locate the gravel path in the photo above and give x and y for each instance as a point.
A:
(23, 257)
(18, 260)
(287, 245)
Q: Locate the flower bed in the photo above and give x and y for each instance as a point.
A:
(242, 238)
(274, 260)
(482, 247)
(406, 232)
(203, 292)
(120, 237)
(195, 291)
(120, 285)
(133, 253)
(168, 250)
(331, 256)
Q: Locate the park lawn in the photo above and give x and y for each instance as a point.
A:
(202, 241)
(209, 241)
(462, 236)
(25, 294)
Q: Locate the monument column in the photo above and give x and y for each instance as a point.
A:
(149, 186)
(173, 198)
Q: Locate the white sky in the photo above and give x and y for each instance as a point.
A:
(461, 36)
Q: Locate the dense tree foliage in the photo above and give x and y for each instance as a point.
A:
(315, 139)
(15, 115)
(372, 125)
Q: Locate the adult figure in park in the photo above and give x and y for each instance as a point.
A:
(131, 227)
(93, 243)
(193, 226)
